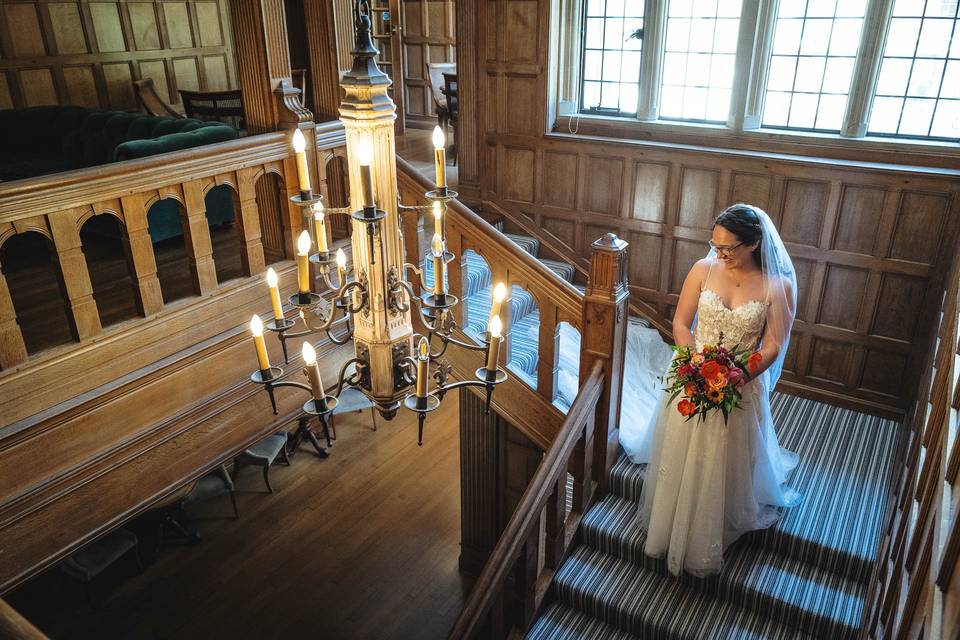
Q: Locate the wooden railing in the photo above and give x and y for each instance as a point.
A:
(916, 587)
(558, 300)
(57, 205)
(497, 604)
(13, 626)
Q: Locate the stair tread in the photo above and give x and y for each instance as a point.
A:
(560, 622)
(563, 269)
(528, 243)
(845, 458)
(647, 603)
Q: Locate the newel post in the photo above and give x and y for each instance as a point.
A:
(605, 311)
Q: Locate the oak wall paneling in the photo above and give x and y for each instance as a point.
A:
(88, 52)
(429, 35)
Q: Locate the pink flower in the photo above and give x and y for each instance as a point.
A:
(736, 378)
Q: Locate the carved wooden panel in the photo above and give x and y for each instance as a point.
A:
(429, 35)
(698, 198)
(650, 191)
(560, 179)
(88, 52)
(518, 174)
(603, 185)
(804, 203)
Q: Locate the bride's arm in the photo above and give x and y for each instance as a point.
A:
(779, 322)
(687, 305)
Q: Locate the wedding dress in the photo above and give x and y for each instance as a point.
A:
(707, 482)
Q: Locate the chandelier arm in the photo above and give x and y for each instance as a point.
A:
(327, 281)
(417, 270)
(341, 379)
(341, 293)
(446, 337)
(336, 340)
(290, 383)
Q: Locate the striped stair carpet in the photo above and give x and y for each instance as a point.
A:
(804, 578)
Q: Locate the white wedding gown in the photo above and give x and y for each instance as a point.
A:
(707, 483)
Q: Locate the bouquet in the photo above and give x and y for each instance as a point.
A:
(710, 379)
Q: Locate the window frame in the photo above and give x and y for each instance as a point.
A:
(753, 55)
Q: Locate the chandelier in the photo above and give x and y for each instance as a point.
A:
(392, 363)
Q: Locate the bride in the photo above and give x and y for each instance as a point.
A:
(708, 482)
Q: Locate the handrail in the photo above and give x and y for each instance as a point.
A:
(582, 265)
(550, 475)
(15, 626)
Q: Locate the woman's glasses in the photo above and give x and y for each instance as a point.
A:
(723, 250)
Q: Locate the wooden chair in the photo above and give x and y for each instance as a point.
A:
(263, 455)
(350, 401)
(224, 106)
(216, 483)
(299, 79)
(435, 82)
(89, 562)
(151, 102)
(453, 109)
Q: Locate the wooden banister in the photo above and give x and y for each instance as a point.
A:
(521, 539)
(15, 627)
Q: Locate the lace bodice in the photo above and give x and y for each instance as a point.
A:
(742, 325)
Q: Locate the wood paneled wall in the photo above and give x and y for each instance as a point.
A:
(870, 241)
(429, 35)
(917, 589)
(87, 53)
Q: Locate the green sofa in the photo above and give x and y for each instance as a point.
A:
(43, 140)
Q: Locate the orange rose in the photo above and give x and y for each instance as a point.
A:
(754, 361)
(719, 382)
(697, 359)
(710, 370)
(686, 408)
(690, 389)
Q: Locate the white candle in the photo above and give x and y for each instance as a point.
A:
(423, 364)
(256, 328)
(438, 217)
(499, 295)
(439, 266)
(341, 267)
(303, 264)
(273, 284)
(495, 328)
(320, 227)
(440, 156)
(364, 159)
(313, 371)
(303, 171)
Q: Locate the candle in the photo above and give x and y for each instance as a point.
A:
(438, 217)
(341, 267)
(364, 158)
(256, 328)
(440, 156)
(499, 295)
(439, 266)
(320, 226)
(303, 171)
(423, 364)
(313, 372)
(495, 327)
(303, 264)
(272, 282)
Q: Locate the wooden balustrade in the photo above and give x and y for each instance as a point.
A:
(498, 604)
(558, 301)
(57, 206)
(916, 587)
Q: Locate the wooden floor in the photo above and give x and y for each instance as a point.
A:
(363, 544)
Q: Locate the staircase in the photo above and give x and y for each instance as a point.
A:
(807, 577)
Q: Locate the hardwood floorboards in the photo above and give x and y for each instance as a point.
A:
(363, 544)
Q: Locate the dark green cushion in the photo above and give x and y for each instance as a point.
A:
(42, 140)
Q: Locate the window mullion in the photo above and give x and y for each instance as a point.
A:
(866, 69)
(756, 86)
(746, 37)
(651, 60)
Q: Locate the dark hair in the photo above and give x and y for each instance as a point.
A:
(742, 221)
